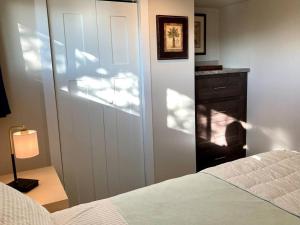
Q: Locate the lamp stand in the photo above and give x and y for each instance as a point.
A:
(20, 184)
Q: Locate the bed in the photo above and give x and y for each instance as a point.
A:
(259, 190)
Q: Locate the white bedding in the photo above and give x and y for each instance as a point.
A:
(18, 209)
(234, 193)
(273, 176)
(98, 213)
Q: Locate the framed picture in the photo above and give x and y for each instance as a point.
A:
(172, 37)
(200, 34)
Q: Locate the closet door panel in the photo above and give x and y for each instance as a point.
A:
(95, 46)
(81, 155)
(118, 50)
(79, 89)
(118, 37)
(67, 147)
(113, 158)
(131, 160)
(99, 154)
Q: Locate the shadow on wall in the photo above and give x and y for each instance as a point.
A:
(23, 81)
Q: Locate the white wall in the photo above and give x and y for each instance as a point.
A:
(264, 36)
(20, 46)
(212, 34)
(173, 98)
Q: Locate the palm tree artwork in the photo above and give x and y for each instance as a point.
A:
(173, 34)
(172, 37)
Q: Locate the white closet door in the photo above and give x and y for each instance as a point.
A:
(95, 46)
(118, 44)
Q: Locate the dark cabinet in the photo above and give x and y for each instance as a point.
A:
(221, 105)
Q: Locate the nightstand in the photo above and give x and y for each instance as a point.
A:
(50, 192)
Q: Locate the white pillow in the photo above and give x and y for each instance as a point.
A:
(18, 209)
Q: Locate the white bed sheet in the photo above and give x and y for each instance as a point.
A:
(273, 176)
(98, 213)
(207, 197)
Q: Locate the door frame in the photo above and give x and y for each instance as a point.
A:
(145, 71)
(145, 67)
(43, 27)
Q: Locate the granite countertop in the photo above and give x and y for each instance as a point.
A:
(223, 71)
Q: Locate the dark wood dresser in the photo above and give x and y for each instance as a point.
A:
(221, 107)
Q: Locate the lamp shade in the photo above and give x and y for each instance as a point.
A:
(26, 144)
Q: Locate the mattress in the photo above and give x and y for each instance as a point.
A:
(263, 189)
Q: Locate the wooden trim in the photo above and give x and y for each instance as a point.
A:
(144, 40)
(209, 67)
(205, 21)
(49, 88)
(126, 1)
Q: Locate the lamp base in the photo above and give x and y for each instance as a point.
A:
(24, 185)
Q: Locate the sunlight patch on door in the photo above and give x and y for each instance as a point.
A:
(120, 92)
(126, 88)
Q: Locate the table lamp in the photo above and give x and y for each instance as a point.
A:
(23, 145)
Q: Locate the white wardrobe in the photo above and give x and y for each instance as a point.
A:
(95, 50)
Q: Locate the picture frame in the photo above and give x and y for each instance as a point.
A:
(200, 34)
(172, 37)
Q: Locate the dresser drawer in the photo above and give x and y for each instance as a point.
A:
(221, 105)
(217, 87)
(219, 122)
(208, 157)
(222, 109)
(205, 162)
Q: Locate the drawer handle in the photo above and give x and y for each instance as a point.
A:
(216, 159)
(220, 88)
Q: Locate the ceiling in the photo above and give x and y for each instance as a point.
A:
(215, 3)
